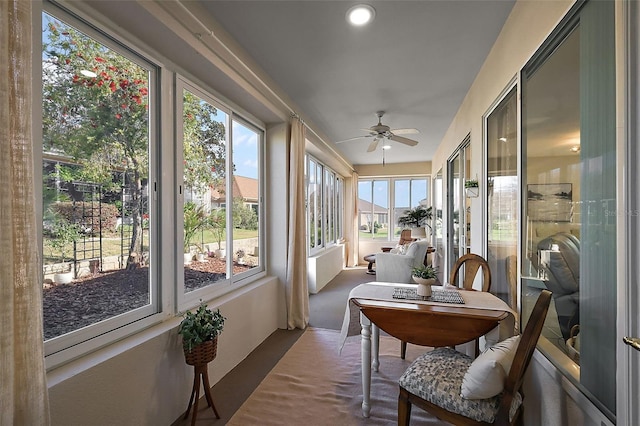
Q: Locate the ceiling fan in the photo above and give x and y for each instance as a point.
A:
(381, 131)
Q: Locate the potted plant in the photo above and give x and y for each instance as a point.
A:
(471, 188)
(418, 216)
(425, 276)
(195, 219)
(199, 331)
(240, 256)
(201, 255)
(63, 235)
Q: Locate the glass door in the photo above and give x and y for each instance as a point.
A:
(569, 212)
(502, 198)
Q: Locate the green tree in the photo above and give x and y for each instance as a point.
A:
(96, 113)
(218, 224)
(204, 148)
(243, 216)
(95, 110)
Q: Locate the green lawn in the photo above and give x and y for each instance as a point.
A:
(111, 244)
(382, 234)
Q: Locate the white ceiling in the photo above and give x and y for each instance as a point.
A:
(416, 61)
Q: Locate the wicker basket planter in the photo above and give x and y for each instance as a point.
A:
(202, 354)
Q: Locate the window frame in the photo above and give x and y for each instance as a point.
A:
(218, 288)
(391, 199)
(75, 343)
(327, 205)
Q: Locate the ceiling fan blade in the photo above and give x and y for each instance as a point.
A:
(373, 145)
(405, 131)
(405, 141)
(353, 139)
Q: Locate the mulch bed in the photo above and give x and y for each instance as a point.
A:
(88, 300)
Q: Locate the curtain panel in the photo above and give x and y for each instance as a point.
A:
(352, 223)
(296, 287)
(23, 389)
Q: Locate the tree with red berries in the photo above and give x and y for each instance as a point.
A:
(96, 111)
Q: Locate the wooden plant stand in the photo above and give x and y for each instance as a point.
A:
(200, 358)
(198, 372)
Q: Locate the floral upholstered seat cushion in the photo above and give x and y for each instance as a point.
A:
(436, 376)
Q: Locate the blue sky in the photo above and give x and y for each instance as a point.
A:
(245, 150)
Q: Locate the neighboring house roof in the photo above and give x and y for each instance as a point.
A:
(242, 187)
(365, 206)
(246, 188)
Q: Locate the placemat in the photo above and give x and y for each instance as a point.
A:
(442, 296)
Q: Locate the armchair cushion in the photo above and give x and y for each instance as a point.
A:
(437, 377)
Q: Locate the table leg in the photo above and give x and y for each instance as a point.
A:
(375, 347)
(366, 364)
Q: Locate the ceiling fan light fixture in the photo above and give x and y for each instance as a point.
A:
(386, 147)
(360, 14)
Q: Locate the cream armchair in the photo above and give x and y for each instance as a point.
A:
(396, 268)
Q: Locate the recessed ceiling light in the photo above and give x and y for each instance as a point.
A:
(575, 148)
(88, 73)
(360, 14)
(502, 139)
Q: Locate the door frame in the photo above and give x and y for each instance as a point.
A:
(628, 206)
(460, 154)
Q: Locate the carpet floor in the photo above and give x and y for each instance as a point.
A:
(314, 385)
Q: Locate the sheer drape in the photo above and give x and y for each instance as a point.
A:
(352, 220)
(23, 390)
(297, 292)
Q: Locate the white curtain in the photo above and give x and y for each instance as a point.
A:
(351, 218)
(297, 292)
(23, 389)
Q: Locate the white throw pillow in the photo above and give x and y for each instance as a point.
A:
(486, 374)
(409, 248)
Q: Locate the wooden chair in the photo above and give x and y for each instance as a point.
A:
(472, 262)
(511, 271)
(437, 390)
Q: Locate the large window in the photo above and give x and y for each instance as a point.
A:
(382, 202)
(98, 218)
(325, 191)
(112, 205)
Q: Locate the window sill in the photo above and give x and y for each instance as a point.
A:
(70, 362)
